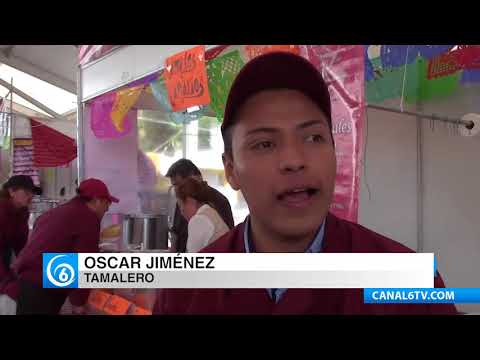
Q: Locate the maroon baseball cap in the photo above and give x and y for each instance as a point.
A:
(277, 70)
(94, 188)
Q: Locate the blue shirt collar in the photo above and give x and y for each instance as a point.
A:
(315, 245)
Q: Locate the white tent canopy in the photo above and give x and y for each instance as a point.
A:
(54, 64)
(44, 81)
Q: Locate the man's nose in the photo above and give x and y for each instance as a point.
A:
(292, 157)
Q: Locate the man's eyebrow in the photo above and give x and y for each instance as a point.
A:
(306, 124)
(261, 130)
(311, 123)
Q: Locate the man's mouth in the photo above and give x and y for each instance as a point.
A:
(298, 197)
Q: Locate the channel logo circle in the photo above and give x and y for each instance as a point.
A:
(61, 274)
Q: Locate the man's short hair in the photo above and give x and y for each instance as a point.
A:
(227, 141)
(183, 168)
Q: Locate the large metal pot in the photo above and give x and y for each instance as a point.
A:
(145, 232)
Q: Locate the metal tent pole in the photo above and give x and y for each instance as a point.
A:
(12, 128)
(31, 100)
(420, 185)
(80, 144)
(457, 121)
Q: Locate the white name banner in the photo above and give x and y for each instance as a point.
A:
(239, 270)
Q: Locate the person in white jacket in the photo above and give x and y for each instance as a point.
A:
(205, 225)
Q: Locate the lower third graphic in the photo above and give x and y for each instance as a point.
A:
(60, 270)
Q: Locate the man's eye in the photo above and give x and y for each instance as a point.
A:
(263, 145)
(315, 138)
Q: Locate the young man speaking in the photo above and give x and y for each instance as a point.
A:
(279, 151)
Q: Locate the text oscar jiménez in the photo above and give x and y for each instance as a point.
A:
(115, 262)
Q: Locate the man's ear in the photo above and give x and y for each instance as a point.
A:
(230, 171)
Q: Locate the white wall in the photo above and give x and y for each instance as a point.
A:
(451, 174)
(115, 162)
(391, 155)
(452, 197)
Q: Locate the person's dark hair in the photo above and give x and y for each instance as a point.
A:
(195, 189)
(227, 140)
(184, 168)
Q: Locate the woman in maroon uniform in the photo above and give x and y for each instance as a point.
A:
(15, 198)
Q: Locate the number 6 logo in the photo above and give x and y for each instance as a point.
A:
(65, 277)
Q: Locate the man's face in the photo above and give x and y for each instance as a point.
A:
(101, 206)
(22, 198)
(283, 161)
